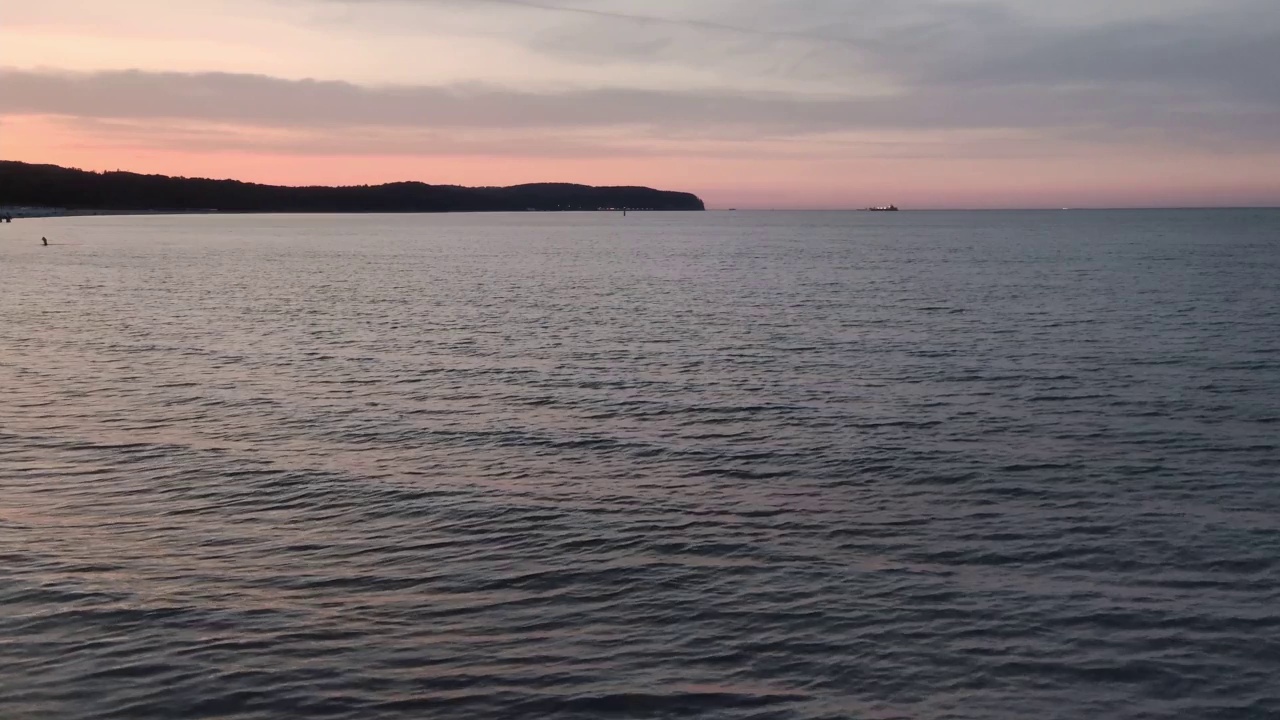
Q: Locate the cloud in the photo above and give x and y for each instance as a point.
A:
(940, 78)
(1226, 46)
(255, 100)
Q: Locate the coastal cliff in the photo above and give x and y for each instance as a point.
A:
(23, 184)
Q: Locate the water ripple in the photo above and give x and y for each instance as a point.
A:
(742, 465)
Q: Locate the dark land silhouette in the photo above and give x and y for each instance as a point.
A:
(24, 184)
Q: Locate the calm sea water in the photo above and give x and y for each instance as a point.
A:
(722, 465)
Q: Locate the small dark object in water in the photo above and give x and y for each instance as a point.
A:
(45, 241)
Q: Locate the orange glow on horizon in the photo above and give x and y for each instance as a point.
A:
(805, 181)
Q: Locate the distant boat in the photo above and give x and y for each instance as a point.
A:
(883, 208)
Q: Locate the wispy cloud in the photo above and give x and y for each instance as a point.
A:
(1230, 45)
(274, 102)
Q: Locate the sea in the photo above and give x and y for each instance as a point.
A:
(728, 465)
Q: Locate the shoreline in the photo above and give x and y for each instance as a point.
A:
(46, 213)
(43, 213)
(52, 213)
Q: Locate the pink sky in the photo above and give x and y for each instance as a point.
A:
(746, 109)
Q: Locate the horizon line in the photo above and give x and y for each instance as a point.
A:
(721, 207)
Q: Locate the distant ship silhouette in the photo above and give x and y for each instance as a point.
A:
(883, 208)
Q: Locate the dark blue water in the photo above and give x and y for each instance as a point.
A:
(724, 465)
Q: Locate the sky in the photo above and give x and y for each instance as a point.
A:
(749, 103)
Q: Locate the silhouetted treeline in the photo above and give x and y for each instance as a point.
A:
(52, 186)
